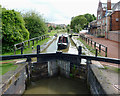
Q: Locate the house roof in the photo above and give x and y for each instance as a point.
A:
(104, 5)
(116, 7)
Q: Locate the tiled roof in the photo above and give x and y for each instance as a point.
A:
(104, 5)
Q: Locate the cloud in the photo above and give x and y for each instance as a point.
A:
(57, 11)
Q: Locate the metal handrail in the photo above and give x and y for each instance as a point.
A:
(62, 56)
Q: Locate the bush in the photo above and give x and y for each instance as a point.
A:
(35, 24)
(13, 29)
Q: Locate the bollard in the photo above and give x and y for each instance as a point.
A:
(38, 49)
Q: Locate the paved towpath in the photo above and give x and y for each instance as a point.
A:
(113, 48)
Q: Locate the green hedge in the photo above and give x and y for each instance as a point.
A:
(13, 29)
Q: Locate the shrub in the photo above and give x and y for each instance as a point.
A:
(13, 29)
(35, 24)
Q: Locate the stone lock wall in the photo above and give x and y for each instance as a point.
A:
(59, 67)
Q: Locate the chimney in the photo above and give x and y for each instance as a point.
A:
(108, 4)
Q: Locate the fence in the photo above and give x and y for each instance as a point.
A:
(27, 43)
(97, 46)
(61, 56)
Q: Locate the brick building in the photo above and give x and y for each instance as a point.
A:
(108, 21)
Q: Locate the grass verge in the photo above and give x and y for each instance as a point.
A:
(91, 49)
(4, 68)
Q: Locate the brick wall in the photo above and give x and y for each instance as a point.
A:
(114, 35)
(115, 24)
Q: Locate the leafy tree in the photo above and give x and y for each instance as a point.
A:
(89, 17)
(13, 29)
(68, 28)
(50, 28)
(58, 27)
(94, 17)
(78, 21)
(35, 24)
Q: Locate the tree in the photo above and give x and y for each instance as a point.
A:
(50, 28)
(35, 24)
(78, 21)
(68, 28)
(94, 17)
(89, 17)
(13, 29)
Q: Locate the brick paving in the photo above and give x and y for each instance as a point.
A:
(113, 48)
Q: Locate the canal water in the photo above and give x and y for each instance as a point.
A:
(53, 48)
(59, 85)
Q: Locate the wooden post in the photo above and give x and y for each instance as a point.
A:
(79, 53)
(95, 45)
(28, 44)
(33, 42)
(91, 42)
(88, 41)
(96, 53)
(99, 48)
(37, 40)
(21, 50)
(38, 51)
(105, 51)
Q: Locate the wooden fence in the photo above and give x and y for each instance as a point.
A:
(22, 45)
(97, 46)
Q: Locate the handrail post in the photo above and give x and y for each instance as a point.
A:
(28, 44)
(33, 42)
(96, 52)
(95, 45)
(99, 48)
(38, 51)
(79, 53)
(88, 41)
(22, 48)
(91, 42)
(105, 51)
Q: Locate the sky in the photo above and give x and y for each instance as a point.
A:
(55, 11)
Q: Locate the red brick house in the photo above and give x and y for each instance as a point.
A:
(108, 21)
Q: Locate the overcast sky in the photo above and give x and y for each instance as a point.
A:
(55, 11)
